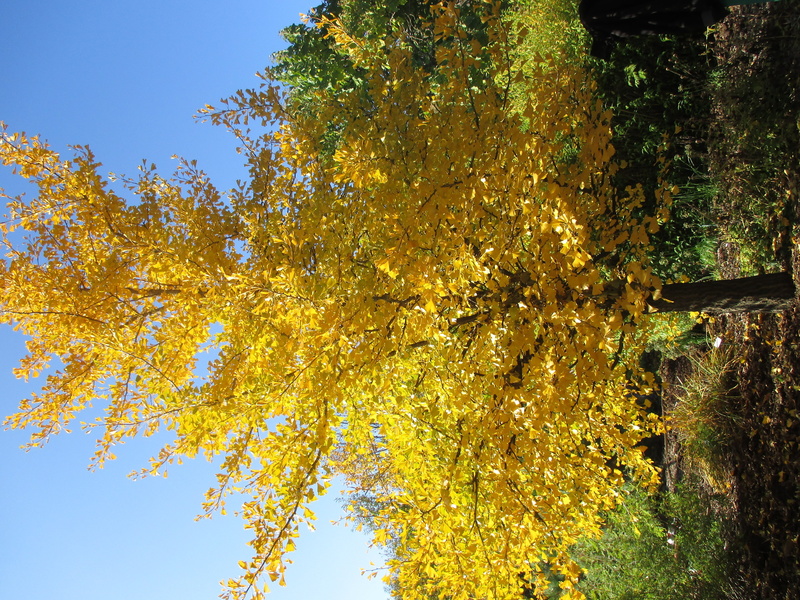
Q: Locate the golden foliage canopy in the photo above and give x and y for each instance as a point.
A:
(438, 311)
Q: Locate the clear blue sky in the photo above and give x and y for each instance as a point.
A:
(127, 78)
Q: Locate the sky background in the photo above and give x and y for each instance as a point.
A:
(126, 78)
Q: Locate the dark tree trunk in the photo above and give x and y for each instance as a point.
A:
(762, 293)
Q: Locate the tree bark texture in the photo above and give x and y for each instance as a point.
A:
(762, 293)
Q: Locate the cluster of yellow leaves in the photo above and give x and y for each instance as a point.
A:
(445, 300)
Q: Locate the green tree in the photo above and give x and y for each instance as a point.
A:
(318, 70)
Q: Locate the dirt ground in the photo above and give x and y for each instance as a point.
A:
(758, 50)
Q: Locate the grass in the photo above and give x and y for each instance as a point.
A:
(705, 416)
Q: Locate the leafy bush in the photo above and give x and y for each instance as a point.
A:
(658, 548)
(552, 29)
(656, 89)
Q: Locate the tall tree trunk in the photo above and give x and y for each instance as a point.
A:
(762, 293)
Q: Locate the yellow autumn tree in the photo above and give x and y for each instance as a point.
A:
(444, 312)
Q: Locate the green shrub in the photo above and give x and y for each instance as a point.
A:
(656, 89)
(658, 548)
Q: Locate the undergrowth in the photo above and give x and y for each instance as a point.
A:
(705, 416)
(659, 548)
